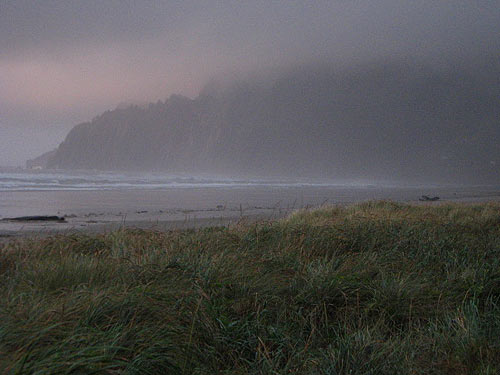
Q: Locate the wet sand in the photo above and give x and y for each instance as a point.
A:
(102, 211)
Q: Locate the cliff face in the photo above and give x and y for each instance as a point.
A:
(390, 121)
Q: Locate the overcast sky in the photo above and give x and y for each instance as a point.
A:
(63, 62)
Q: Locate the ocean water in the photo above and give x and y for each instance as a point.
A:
(81, 181)
(116, 194)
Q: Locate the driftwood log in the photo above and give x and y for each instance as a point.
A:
(36, 218)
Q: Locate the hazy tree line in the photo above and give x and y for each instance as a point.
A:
(388, 121)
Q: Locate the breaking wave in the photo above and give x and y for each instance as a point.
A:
(47, 181)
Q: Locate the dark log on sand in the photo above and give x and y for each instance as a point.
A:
(35, 218)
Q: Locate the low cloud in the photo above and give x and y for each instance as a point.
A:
(62, 62)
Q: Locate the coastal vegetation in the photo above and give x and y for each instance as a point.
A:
(373, 288)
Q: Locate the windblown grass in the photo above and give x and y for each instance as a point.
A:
(375, 288)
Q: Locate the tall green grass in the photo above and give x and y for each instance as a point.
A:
(375, 288)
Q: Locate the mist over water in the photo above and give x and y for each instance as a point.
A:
(88, 181)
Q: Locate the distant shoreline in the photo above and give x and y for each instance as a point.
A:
(96, 203)
(12, 231)
(92, 223)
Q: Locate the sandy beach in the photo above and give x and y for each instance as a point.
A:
(102, 211)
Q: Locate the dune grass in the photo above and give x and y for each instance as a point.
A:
(374, 288)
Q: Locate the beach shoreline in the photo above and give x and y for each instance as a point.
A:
(11, 231)
(92, 221)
